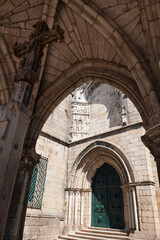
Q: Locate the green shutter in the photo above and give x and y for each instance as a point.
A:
(37, 184)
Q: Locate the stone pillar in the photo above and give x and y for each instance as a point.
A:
(82, 208)
(70, 207)
(18, 206)
(148, 210)
(75, 207)
(135, 209)
(78, 212)
(132, 206)
(89, 193)
(15, 118)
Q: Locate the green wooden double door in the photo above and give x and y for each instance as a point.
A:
(107, 199)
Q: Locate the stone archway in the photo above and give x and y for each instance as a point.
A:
(144, 70)
(88, 70)
(79, 192)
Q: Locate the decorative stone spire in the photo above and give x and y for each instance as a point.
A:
(80, 115)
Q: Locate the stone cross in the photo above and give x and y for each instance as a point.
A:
(32, 52)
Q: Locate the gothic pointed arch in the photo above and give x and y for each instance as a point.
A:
(112, 32)
(85, 167)
(98, 71)
(92, 158)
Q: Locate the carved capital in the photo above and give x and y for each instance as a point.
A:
(21, 94)
(29, 158)
(127, 188)
(151, 139)
(26, 75)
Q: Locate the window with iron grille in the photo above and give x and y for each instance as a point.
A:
(37, 184)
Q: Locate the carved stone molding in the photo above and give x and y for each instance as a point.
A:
(80, 115)
(121, 105)
(78, 190)
(127, 188)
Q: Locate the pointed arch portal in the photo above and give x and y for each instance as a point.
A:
(102, 177)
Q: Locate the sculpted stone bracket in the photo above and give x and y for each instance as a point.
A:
(29, 159)
(32, 50)
(152, 140)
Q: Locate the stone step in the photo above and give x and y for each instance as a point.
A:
(95, 233)
(84, 238)
(98, 236)
(104, 231)
(70, 238)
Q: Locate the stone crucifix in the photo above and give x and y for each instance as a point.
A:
(15, 117)
(32, 52)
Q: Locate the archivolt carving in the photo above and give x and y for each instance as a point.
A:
(93, 157)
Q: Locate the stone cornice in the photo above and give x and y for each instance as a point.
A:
(116, 130)
(129, 187)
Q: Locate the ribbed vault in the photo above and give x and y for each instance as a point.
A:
(97, 36)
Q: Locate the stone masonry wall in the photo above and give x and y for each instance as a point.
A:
(128, 139)
(104, 112)
(102, 109)
(58, 123)
(132, 113)
(47, 222)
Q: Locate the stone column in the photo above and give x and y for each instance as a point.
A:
(15, 118)
(135, 209)
(75, 207)
(82, 208)
(132, 206)
(18, 206)
(70, 207)
(89, 206)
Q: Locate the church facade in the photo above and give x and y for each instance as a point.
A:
(99, 172)
(79, 118)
